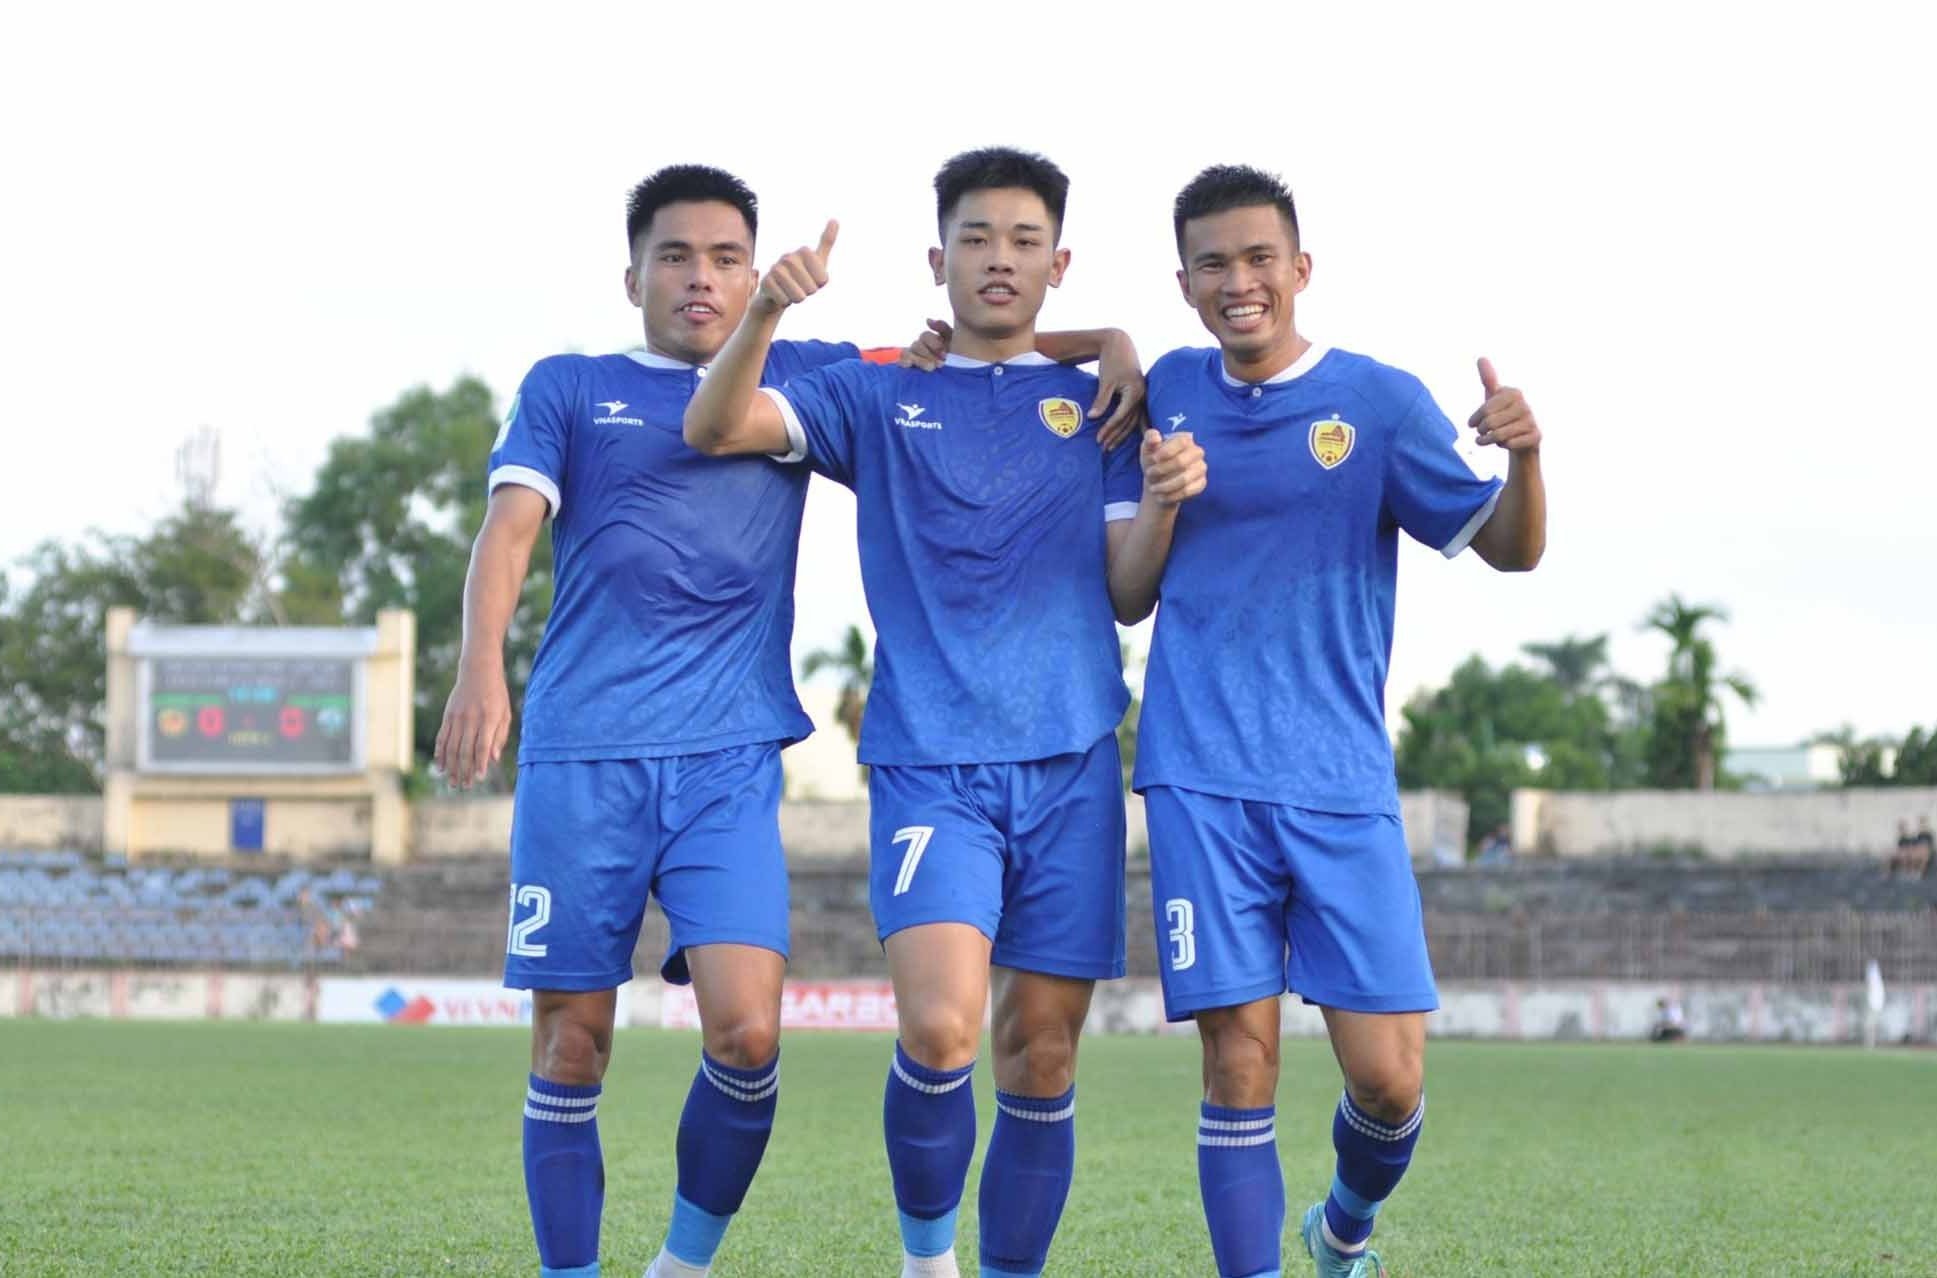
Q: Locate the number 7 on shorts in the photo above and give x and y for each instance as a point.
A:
(916, 837)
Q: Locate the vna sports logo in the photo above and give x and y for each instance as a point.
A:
(398, 1010)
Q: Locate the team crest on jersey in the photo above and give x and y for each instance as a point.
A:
(1331, 441)
(1061, 416)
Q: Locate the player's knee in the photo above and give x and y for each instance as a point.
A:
(745, 1042)
(571, 1051)
(1038, 1063)
(1240, 1067)
(941, 1036)
(1390, 1091)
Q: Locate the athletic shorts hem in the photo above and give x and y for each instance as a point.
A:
(1185, 1006)
(1353, 1001)
(986, 928)
(758, 940)
(1050, 965)
(524, 978)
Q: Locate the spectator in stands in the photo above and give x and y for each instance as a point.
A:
(1905, 859)
(316, 921)
(1926, 847)
(1497, 847)
(1671, 1025)
(346, 934)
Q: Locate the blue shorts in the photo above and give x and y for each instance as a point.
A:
(1251, 899)
(591, 840)
(1030, 854)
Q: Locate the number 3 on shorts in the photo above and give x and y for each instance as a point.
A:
(519, 943)
(916, 837)
(1183, 933)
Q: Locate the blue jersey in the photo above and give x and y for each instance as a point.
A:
(980, 494)
(1268, 666)
(673, 604)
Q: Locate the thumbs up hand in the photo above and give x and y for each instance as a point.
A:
(797, 276)
(1504, 419)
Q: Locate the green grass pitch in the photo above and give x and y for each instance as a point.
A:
(298, 1150)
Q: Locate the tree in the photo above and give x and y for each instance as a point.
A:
(850, 660)
(1688, 729)
(1917, 759)
(198, 566)
(1488, 732)
(1575, 664)
(389, 524)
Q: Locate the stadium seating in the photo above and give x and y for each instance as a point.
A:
(62, 907)
(1620, 918)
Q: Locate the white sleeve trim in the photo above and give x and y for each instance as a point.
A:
(1113, 511)
(1462, 539)
(525, 477)
(796, 435)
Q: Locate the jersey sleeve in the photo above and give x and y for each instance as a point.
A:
(533, 443)
(822, 409)
(1430, 491)
(1122, 480)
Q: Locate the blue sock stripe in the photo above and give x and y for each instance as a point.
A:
(581, 1271)
(758, 1076)
(554, 1116)
(737, 1090)
(1220, 1113)
(1038, 1109)
(932, 1082)
(1367, 1126)
(536, 1097)
(560, 1092)
(1352, 1204)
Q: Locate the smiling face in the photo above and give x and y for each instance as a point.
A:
(1242, 271)
(692, 274)
(999, 260)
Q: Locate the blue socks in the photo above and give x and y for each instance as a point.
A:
(928, 1116)
(1243, 1188)
(1025, 1181)
(722, 1135)
(564, 1176)
(1371, 1158)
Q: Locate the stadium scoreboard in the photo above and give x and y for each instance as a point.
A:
(229, 701)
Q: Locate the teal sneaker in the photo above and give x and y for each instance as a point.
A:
(1328, 1263)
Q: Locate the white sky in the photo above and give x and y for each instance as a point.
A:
(1698, 236)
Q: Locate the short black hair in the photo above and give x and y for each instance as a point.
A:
(1224, 187)
(685, 184)
(1000, 168)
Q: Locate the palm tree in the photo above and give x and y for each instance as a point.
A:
(1574, 663)
(1689, 722)
(851, 661)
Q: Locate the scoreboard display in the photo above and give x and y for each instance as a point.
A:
(246, 713)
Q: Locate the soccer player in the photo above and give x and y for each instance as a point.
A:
(1277, 857)
(659, 701)
(996, 824)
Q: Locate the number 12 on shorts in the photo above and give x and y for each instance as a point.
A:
(1182, 917)
(518, 943)
(916, 837)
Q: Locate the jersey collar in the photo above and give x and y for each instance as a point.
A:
(1029, 359)
(640, 355)
(1303, 364)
